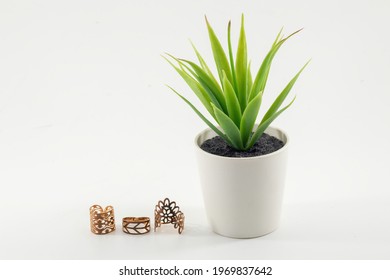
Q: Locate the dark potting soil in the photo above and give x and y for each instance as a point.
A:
(265, 145)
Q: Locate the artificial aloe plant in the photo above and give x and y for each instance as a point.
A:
(234, 102)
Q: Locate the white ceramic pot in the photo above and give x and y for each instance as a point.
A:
(242, 196)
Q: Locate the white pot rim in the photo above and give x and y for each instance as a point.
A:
(197, 146)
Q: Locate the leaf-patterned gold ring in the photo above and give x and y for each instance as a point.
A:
(136, 225)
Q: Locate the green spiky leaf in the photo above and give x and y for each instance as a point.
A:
(264, 124)
(210, 124)
(204, 87)
(208, 82)
(242, 67)
(203, 64)
(249, 81)
(231, 130)
(262, 75)
(232, 103)
(282, 96)
(249, 118)
(195, 86)
(220, 58)
(231, 59)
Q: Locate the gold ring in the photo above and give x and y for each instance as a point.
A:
(136, 225)
(102, 220)
(167, 212)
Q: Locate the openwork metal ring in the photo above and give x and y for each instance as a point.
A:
(167, 212)
(102, 220)
(136, 225)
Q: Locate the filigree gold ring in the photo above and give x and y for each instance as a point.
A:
(102, 220)
(167, 212)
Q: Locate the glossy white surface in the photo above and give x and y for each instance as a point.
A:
(85, 118)
(242, 196)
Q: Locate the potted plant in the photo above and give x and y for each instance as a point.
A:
(242, 162)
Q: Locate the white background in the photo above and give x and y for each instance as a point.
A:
(281, 269)
(85, 118)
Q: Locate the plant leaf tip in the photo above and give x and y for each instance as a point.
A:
(307, 63)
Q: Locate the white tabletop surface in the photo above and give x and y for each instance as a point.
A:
(85, 118)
